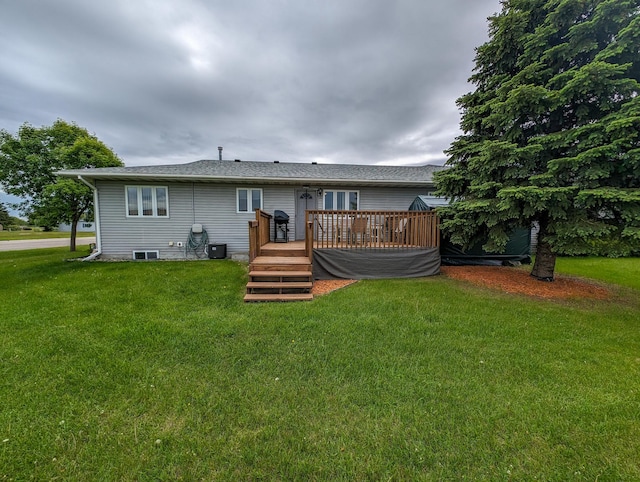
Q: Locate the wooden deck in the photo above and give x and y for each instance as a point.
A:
(283, 271)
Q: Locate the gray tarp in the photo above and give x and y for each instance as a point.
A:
(375, 263)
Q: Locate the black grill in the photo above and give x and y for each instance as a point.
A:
(280, 216)
(281, 222)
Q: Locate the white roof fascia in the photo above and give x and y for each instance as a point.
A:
(269, 180)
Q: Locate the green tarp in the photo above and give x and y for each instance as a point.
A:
(518, 247)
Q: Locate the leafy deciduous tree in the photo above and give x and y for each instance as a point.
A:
(551, 132)
(5, 219)
(29, 160)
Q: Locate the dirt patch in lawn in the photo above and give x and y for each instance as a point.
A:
(323, 286)
(519, 281)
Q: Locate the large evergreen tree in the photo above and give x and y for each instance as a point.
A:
(29, 160)
(551, 132)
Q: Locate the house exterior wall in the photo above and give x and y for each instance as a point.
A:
(387, 198)
(213, 206)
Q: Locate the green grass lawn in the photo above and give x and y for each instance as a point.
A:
(30, 234)
(621, 271)
(158, 371)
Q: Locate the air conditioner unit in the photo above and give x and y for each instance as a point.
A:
(217, 251)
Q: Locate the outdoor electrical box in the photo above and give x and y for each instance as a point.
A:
(217, 251)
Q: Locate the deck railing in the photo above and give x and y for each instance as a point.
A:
(259, 233)
(373, 229)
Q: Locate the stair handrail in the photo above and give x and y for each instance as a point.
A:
(259, 233)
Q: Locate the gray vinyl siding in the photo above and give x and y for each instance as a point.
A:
(284, 199)
(121, 235)
(213, 206)
(388, 199)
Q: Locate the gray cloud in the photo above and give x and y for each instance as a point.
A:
(350, 81)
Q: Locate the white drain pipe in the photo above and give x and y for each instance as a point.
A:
(96, 215)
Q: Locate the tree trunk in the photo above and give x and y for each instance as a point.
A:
(74, 231)
(545, 263)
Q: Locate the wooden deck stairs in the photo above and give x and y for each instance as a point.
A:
(281, 273)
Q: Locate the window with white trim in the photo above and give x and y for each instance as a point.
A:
(341, 200)
(147, 201)
(248, 199)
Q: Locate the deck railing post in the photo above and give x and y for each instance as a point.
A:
(308, 240)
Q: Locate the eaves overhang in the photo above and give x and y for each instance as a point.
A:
(315, 181)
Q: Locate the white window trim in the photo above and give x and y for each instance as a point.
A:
(249, 199)
(154, 201)
(335, 198)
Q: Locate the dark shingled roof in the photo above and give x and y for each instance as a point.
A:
(265, 173)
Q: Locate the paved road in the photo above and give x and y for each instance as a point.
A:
(22, 244)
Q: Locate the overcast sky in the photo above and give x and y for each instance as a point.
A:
(168, 81)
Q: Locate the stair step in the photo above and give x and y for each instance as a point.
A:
(283, 252)
(280, 274)
(274, 266)
(280, 284)
(281, 268)
(253, 297)
(281, 261)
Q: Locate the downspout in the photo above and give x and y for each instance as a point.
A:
(96, 215)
